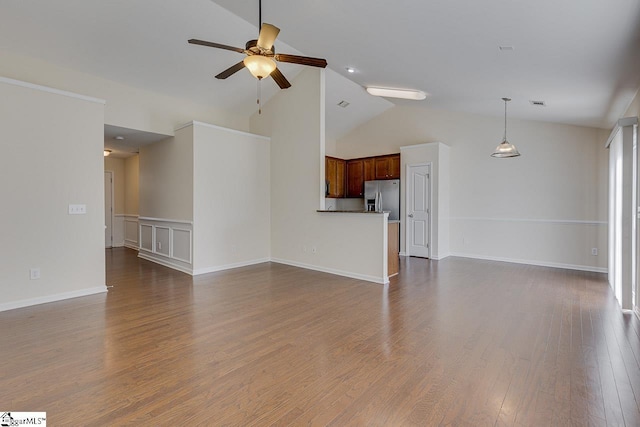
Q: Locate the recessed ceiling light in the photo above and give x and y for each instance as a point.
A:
(350, 70)
(343, 104)
(538, 103)
(505, 48)
(397, 93)
(119, 138)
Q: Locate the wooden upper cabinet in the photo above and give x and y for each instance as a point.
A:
(369, 169)
(335, 176)
(355, 178)
(341, 175)
(346, 178)
(394, 166)
(387, 167)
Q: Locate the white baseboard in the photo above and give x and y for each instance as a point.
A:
(364, 277)
(52, 298)
(435, 258)
(229, 266)
(164, 262)
(131, 245)
(533, 262)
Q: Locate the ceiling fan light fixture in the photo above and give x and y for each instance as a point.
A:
(259, 66)
(416, 95)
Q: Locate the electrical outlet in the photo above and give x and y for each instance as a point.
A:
(34, 273)
(594, 251)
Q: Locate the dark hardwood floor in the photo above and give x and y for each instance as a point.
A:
(456, 342)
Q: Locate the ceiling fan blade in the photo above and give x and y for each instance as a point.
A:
(303, 60)
(231, 70)
(217, 45)
(280, 79)
(268, 34)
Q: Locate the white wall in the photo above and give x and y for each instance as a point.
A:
(546, 207)
(127, 106)
(634, 107)
(166, 178)
(131, 185)
(437, 155)
(125, 199)
(116, 165)
(231, 194)
(52, 157)
(353, 245)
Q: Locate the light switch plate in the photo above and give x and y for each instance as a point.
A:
(77, 209)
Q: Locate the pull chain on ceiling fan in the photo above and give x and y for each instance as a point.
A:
(261, 55)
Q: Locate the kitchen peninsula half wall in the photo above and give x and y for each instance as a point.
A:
(389, 232)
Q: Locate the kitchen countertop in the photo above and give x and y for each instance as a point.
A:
(391, 221)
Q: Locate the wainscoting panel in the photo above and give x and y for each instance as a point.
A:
(117, 228)
(146, 237)
(574, 244)
(163, 240)
(182, 245)
(167, 242)
(131, 231)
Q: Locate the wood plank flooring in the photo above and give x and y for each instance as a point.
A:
(457, 342)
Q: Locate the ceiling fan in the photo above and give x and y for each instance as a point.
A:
(261, 56)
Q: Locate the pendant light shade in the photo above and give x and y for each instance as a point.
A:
(260, 66)
(505, 149)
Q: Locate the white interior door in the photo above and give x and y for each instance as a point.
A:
(418, 210)
(108, 209)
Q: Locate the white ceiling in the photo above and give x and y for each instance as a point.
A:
(582, 57)
(131, 140)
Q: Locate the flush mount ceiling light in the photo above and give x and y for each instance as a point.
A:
(417, 95)
(107, 152)
(505, 149)
(119, 138)
(350, 70)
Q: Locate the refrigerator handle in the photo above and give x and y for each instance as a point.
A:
(379, 201)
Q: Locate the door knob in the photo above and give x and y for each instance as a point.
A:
(410, 215)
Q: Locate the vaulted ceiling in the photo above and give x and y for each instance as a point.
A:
(581, 57)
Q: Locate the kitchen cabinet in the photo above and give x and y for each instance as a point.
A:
(355, 172)
(387, 167)
(335, 175)
(359, 171)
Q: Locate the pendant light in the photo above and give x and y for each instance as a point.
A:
(505, 149)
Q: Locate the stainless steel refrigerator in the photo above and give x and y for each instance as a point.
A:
(383, 195)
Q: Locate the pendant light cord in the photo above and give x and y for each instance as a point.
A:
(505, 116)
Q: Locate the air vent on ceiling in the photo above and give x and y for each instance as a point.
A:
(538, 103)
(343, 104)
